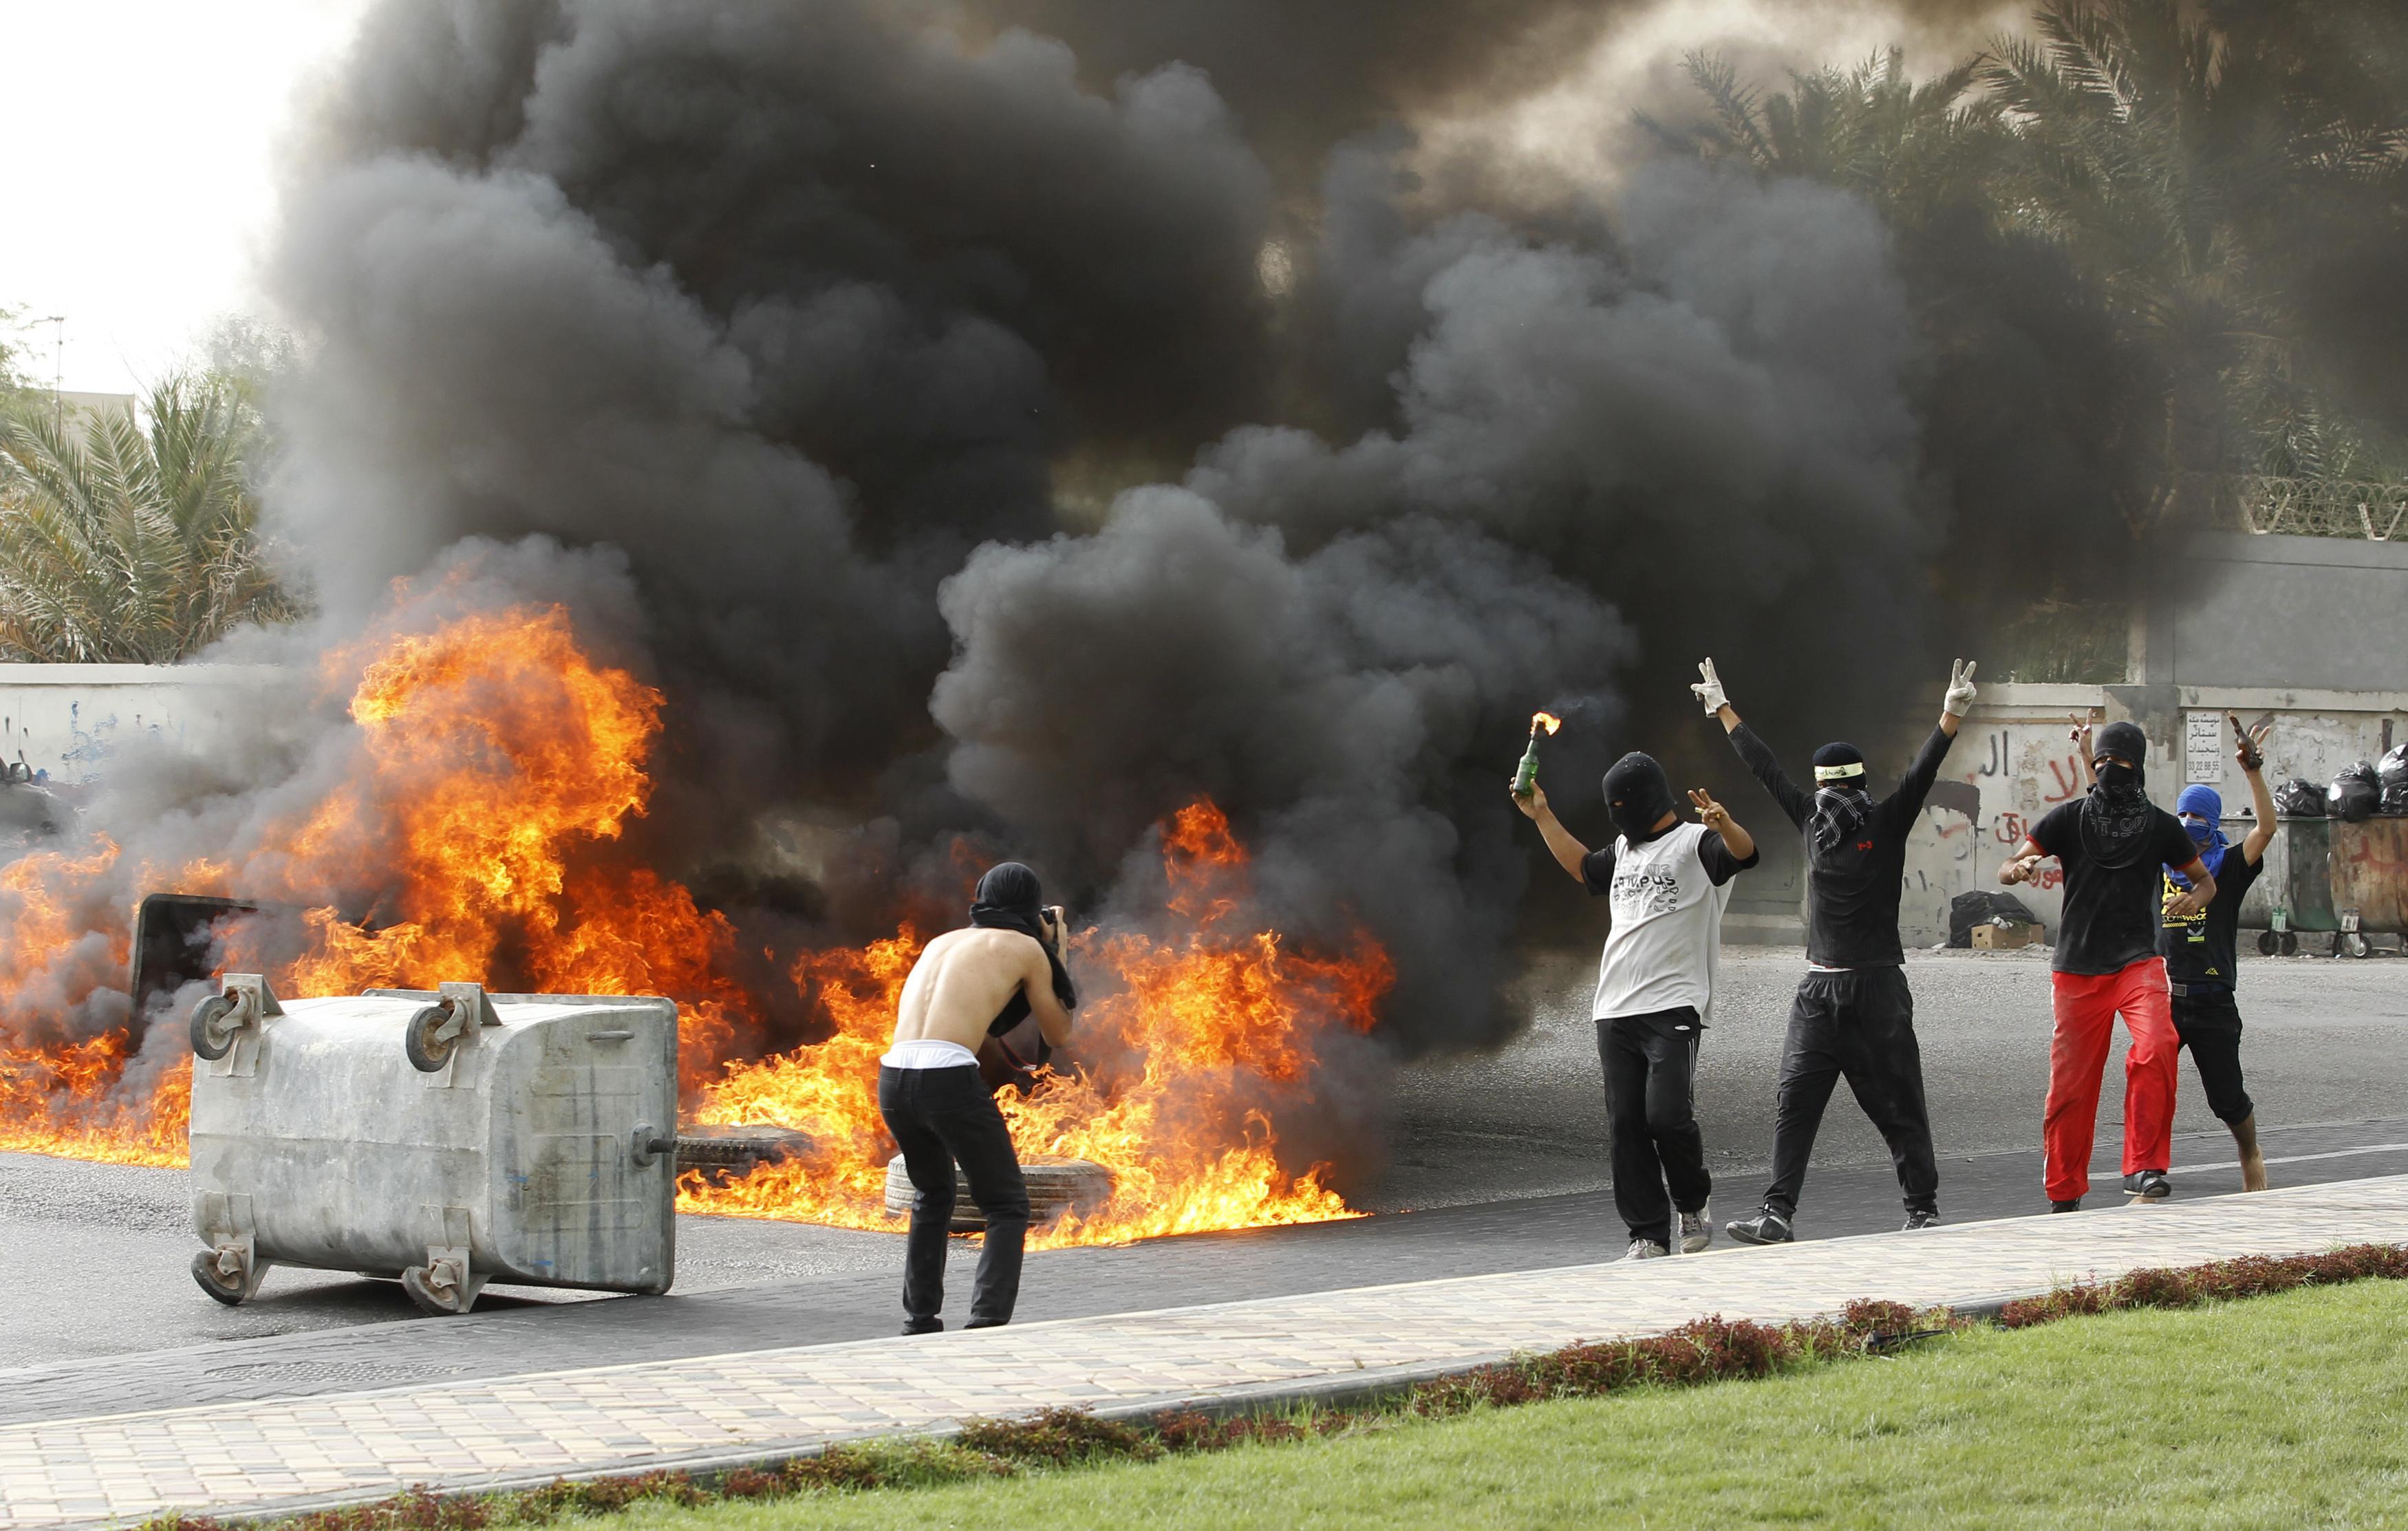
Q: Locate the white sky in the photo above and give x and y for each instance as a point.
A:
(141, 138)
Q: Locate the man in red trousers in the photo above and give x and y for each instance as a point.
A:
(2111, 842)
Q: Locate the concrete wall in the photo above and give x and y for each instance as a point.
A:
(2310, 631)
(68, 720)
(2014, 753)
(2286, 613)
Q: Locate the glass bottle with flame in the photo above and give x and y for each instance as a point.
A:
(1526, 780)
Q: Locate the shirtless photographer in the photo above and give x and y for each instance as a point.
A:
(968, 986)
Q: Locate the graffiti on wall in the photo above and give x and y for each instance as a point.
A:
(2017, 772)
(2009, 775)
(70, 739)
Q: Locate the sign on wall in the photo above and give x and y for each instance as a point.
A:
(2204, 747)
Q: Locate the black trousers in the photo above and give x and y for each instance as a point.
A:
(1859, 1026)
(2208, 1021)
(1650, 1065)
(942, 1117)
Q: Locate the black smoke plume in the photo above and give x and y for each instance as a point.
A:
(818, 312)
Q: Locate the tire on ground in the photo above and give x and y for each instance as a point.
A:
(1055, 1187)
(724, 1152)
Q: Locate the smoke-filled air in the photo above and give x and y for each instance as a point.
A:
(749, 468)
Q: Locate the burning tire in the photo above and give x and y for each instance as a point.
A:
(723, 1153)
(1056, 1187)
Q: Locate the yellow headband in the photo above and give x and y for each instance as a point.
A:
(1839, 773)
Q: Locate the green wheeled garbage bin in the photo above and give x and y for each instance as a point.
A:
(2295, 891)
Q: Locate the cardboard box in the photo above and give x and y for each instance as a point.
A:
(2003, 938)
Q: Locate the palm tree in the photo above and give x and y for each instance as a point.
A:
(2190, 167)
(131, 542)
(2192, 170)
(1906, 145)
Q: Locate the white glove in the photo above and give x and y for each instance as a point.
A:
(1710, 691)
(1959, 700)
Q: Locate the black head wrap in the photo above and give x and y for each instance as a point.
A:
(1841, 804)
(2116, 815)
(1010, 898)
(1638, 795)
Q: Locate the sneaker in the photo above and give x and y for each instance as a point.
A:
(2148, 1186)
(923, 1326)
(1698, 1229)
(1646, 1249)
(1920, 1219)
(2074, 1206)
(1765, 1227)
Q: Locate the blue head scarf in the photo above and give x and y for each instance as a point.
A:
(2201, 801)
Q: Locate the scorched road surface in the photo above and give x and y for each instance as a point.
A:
(95, 1255)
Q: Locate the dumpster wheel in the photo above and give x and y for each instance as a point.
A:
(2290, 943)
(427, 1051)
(230, 1287)
(442, 1287)
(212, 1038)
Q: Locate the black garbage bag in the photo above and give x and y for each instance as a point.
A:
(2393, 772)
(2353, 795)
(2300, 798)
(2395, 799)
(1982, 907)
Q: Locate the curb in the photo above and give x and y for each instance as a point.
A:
(1381, 1385)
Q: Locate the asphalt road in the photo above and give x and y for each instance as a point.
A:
(2324, 1041)
(93, 1257)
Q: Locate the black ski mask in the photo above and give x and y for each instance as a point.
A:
(1010, 898)
(2115, 814)
(1637, 796)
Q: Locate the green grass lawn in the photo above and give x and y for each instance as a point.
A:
(2283, 1411)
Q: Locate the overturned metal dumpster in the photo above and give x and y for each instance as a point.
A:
(446, 1138)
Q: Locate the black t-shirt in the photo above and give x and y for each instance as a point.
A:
(2110, 912)
(2204, 949)
(1852, 885)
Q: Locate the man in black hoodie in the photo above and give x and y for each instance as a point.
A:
(1853, 1016)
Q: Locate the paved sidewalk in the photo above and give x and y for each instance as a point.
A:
(294, 1454)
(501, 1339)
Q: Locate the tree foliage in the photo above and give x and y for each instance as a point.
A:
(1905, 144)
(14, 384)
(2224, 187)
(126, 540)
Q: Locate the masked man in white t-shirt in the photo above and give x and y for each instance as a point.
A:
(1668, 882)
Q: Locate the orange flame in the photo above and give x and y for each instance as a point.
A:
(56, 1100)
(62, 939)
(1198, 1035)
(495, 755)
(495, 767)
(1547, 721)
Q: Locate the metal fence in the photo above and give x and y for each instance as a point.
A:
(2262, 503)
